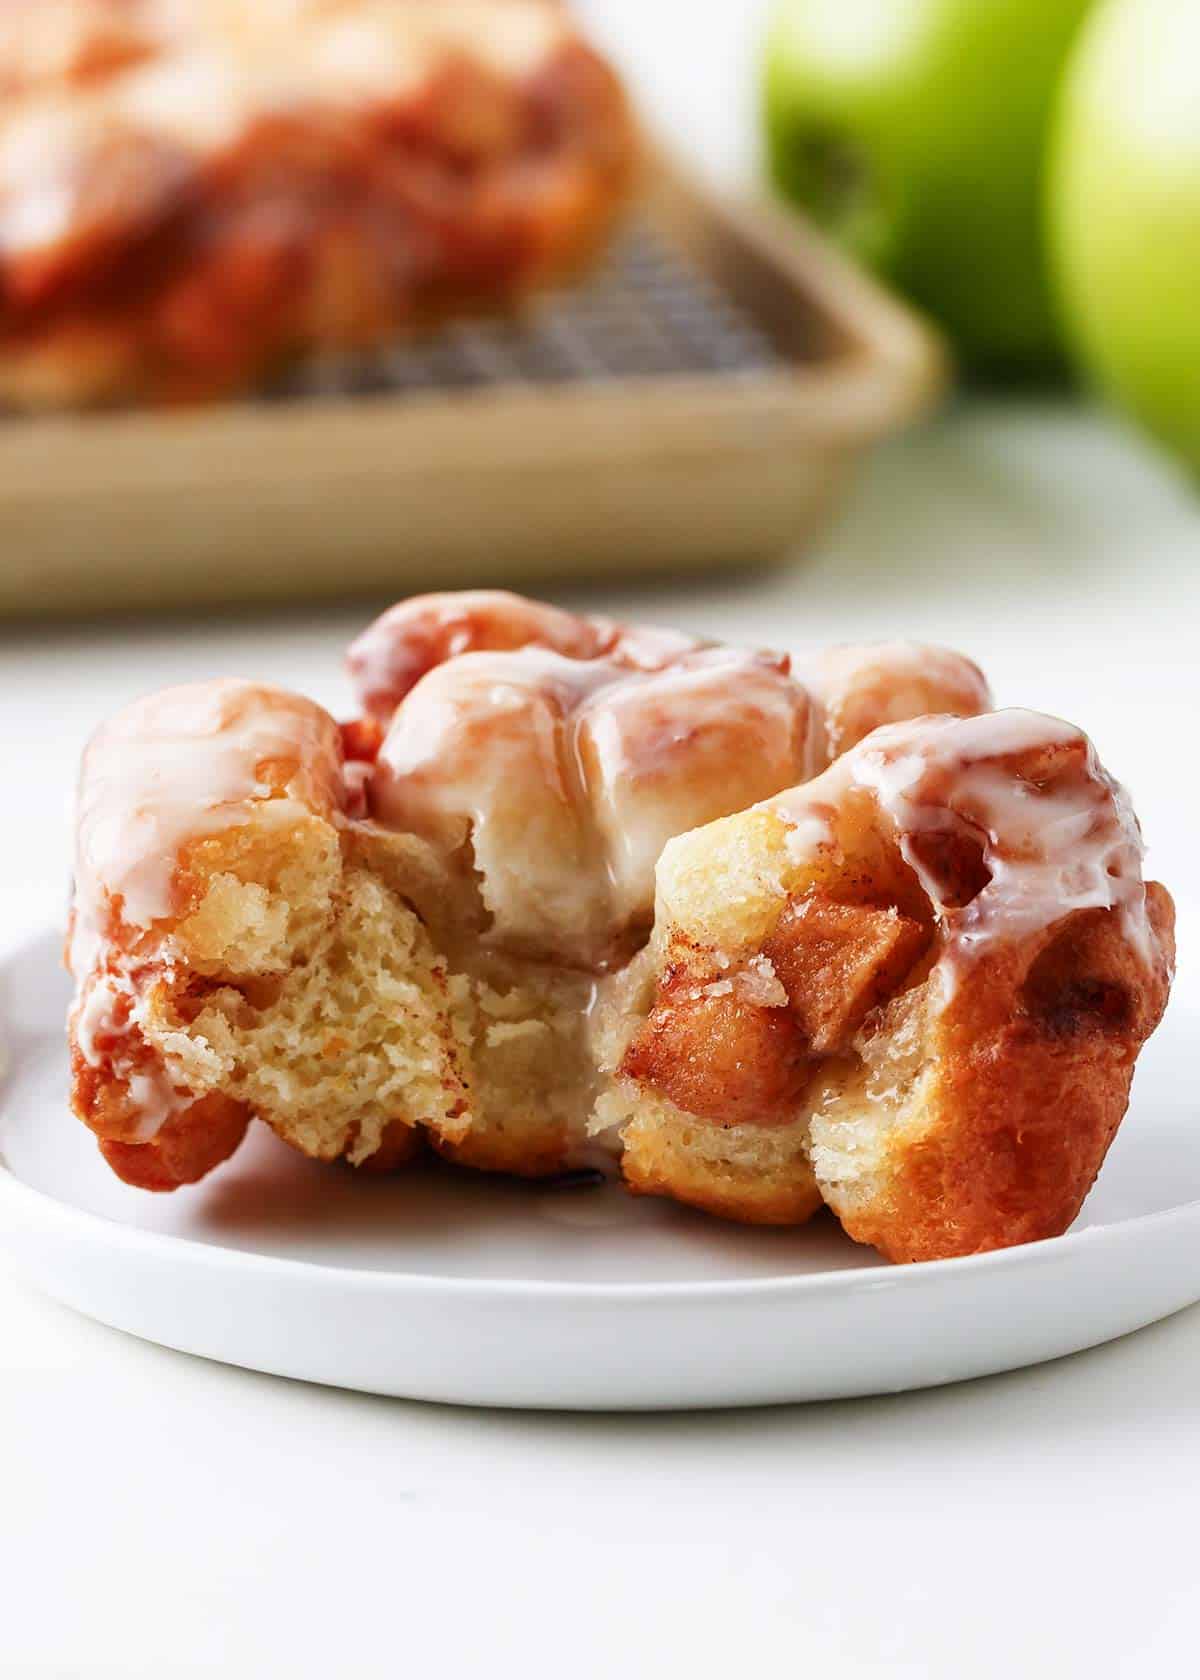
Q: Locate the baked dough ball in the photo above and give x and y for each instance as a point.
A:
(193, 192)
(863, 685)
(407, 641)
(914, 989)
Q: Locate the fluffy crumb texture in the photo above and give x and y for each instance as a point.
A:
(357, 1037)
(304, 987)
(533, 1073)
(299, 987)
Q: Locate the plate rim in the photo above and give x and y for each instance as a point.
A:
(35, 1206)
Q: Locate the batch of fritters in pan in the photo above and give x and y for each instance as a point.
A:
(195, 193)
(769, 939)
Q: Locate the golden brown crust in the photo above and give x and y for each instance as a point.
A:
(767, 1182)
(187, 1147)
(402, 1147)
(517, 1147)
(190, 1137)
(1034, 1063)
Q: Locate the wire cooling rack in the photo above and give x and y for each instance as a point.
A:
(645, 313)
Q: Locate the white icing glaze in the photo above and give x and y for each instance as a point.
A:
(476, 753)
(37, 219)
(110, 1010)
(568, 776)
(38, 192)
(408, 640)
(99, 1014)
(1057, 833)
(666, 752)
(173, 767)
(572, 749)
(197, 99)
(155, 1099)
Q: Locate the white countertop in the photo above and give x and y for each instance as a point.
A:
(160, 1516)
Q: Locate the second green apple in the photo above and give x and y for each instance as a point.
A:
(915, 132)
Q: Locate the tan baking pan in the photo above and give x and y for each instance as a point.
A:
(697, 400)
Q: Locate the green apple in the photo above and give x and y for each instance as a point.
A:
(1124, 210)
(914, 130)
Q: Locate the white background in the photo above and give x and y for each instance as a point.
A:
(160, 1516)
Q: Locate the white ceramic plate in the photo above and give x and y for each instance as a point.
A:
(448, 1288)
